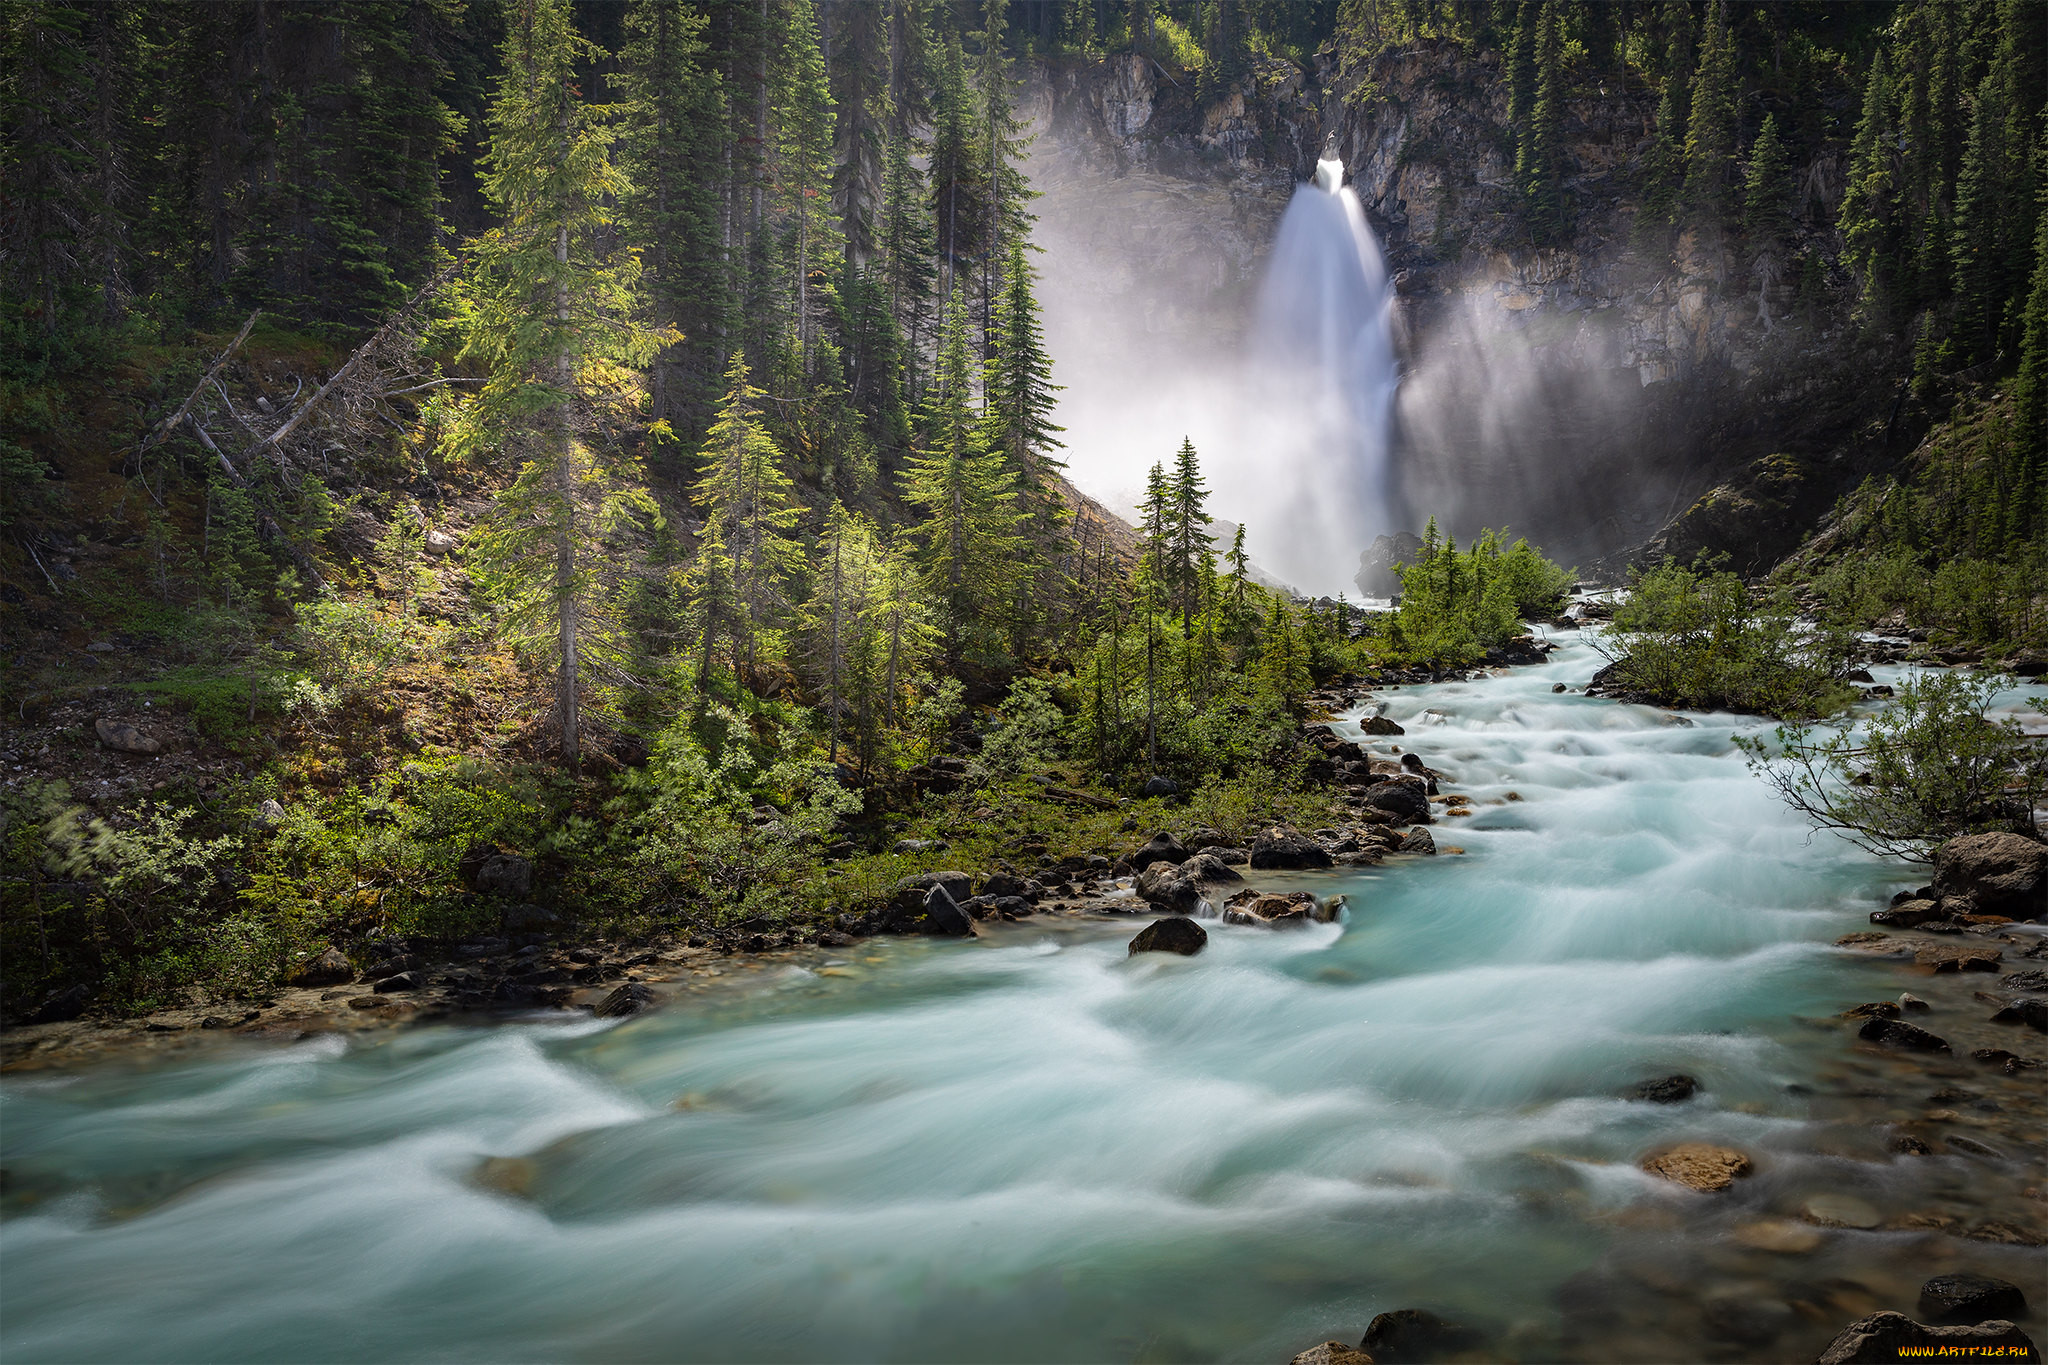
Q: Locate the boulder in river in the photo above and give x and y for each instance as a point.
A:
(1175, 935)
(1830, 1210)
(1971, 1299)
(630, 998)
(404, 981)
(1160, 848)
(1665, 1089)
(1404, 798)
(1999, 873)
(2029, 1010)
(943, 915)
(1332, 1353)
(1283, 847)
(911, 891)
(1414, 1334)
(1380, 725)
(1958, 957)
(1897, 1033)
(1163, 885)
(1418, 841)
(1699, 1166)
(1886, 1338)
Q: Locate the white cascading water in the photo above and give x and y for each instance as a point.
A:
(1309, 470)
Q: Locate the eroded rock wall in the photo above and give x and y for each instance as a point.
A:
(1586, 392)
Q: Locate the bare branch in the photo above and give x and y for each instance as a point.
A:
(170, 423)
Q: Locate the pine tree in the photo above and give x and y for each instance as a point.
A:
(749, 506)
(1019, 386)
(2030, 385)
(1767, 189)
(860, 92)
(1539, 160)
(551, 315)
(1664, 164)
(671, 143)
(1192, 556)
(1869, 199)
(958, 171)
(967, 497)
(909, 243)
(803, 117)
(1000, 141)
(1710, 186)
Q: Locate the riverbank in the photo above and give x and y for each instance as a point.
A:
(1025, 1143)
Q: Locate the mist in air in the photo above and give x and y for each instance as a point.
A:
(1287, 389)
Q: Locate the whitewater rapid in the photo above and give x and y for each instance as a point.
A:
(1025, 1147)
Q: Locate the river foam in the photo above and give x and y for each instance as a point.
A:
(1028, 1146)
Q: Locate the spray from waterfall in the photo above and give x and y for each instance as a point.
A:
(1310, 466)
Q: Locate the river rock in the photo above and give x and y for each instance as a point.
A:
(1405, 798)
(1160, 848)
(1175, 935)
(331, 968)
(504, 874)
(125, 738)
(910, 893)
(1875, 1009)
(630, 998)
(1970, 1299)
(1883, 1338)
(1332, 1353)
(1958, 957)
(1908, 914)
(1282, 847)
(1380, 725)
(1897, 1033)
(1665, 1089)
(1913, 1004)
(2009, 1062)
(1699, 1166)
(1839, 1211)
(2032, 979)
(1418, 841)
(2029, 1010)
(1270, 912)
(1209, 869)
(1163, 885)
(1779, 1235)
(1414, 1334)
(2000, 873)
(404, 981)
(943, 915)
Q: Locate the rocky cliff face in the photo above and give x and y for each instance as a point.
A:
(1586, 394)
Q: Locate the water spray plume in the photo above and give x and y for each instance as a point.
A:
(1311, 465)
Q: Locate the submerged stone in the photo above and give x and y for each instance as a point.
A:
(1699, 1166)
(1176, 935)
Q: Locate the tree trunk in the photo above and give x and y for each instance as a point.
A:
(565, 544)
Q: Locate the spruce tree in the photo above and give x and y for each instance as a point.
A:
(551, 314)
(749, 506)
(860, 96)
(999, 137)
(673, 123)
(958, 169)
(1767, 190)
(909, 244)
(966, 496)
(2030, 385)
(803, 117)
(1869, 198)
(1540, 157)
(1019, 387)
(1664, 163)
(1710, 186)
(1192, 556)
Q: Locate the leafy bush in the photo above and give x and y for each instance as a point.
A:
(1991, 603)
(1932, 765)
(1697, 639)
(1455, 605)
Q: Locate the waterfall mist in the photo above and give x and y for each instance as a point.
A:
(1164, 322)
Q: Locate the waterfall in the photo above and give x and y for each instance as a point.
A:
(1311, 465)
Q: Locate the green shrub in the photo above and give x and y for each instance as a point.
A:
(1698, 639)
(1932, 765)
(1455, 605)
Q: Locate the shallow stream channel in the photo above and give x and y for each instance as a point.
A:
(1032, 1147)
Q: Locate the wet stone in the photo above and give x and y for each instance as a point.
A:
(1893, 1033)
(1970, 1298)
(1665, 1090)
(1700, 1166)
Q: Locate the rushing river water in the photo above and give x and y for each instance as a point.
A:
(1029, 1148)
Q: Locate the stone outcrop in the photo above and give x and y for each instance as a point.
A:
(1884, 1337)
(1999, 874)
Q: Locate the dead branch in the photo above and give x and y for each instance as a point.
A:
(170, 423)
(355, 360)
